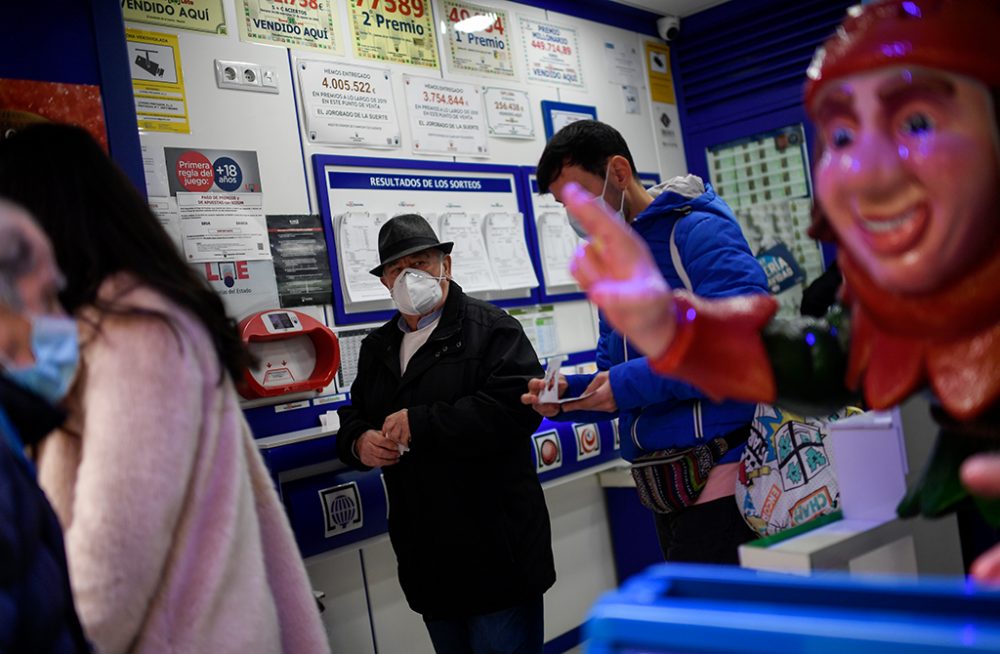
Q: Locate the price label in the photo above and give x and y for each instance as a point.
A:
(413, 8)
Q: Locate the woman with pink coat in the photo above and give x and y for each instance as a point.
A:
(175, 536)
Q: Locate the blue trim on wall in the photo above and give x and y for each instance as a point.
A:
(565, 641)
(116, 91)
(601, 11)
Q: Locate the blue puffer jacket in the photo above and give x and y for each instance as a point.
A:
(656, 412)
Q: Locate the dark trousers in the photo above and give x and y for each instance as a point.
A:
(518, 630)
(703, 533)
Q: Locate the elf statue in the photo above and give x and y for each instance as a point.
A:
(904, 100)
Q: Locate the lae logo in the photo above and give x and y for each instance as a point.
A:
(341, 508)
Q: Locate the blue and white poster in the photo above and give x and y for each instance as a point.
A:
(478, 211)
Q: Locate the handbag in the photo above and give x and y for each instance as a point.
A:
(786, 476)
(672, 479)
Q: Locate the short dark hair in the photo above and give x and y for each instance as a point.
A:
(587, 144)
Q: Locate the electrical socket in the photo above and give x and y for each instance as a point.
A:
(245, 76)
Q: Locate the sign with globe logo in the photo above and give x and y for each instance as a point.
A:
(341, 508)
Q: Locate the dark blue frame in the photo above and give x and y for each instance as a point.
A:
(320, 161)
(548, 106)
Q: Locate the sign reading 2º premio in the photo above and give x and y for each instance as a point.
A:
(400, 31)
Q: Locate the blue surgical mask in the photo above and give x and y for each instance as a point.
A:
(55, 346)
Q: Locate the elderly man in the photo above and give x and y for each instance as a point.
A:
(436, 405)
(37, 363)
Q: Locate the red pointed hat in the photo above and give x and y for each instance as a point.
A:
(959, 36)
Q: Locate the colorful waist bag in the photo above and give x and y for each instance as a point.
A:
(669, 480)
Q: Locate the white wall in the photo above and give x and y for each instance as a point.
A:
(356, 581)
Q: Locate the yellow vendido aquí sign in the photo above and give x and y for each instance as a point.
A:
(197, 15)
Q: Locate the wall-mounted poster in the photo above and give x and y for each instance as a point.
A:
(508, 113)
(344, 104)
(301, 266)
(220, 204)
(397, 31)
(197, 15)
(661, 80)
(552, 53)
(623, 63)
(310, 24)
(474, 205)
(478, 39)
(446, 117)
(23, 102)
(157, 81)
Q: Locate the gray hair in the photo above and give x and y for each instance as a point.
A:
(17, 256)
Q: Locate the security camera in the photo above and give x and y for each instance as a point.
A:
(668, 27)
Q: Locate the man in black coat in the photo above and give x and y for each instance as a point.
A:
(436, 404)
(37, 363)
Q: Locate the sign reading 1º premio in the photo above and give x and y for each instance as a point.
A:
(486, 50)
(400, 31)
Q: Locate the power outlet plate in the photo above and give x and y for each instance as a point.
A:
(245, 76)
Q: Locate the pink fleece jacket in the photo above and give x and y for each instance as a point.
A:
(176, 539)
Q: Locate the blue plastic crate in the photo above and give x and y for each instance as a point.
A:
(689, 609)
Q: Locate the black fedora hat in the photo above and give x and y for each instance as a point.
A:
(403, 235)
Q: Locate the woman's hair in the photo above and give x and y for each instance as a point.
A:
(100, 225)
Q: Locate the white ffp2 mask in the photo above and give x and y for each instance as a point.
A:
(416, 292)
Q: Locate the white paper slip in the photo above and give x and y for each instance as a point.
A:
(508, 251)
(550, 392)
(357, 250)
(564, 400)
(471, 265)
(558, 244)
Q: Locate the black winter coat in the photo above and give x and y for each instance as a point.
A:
(467, 517)
(36, 602)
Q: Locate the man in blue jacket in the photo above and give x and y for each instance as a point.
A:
(698, 245)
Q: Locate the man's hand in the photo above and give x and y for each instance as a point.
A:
(981, 475)
(601, 400)
(396, 428)
(535, 387)
(620, 276)
(375, 450)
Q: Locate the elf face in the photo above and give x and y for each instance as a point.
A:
(908, 174)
